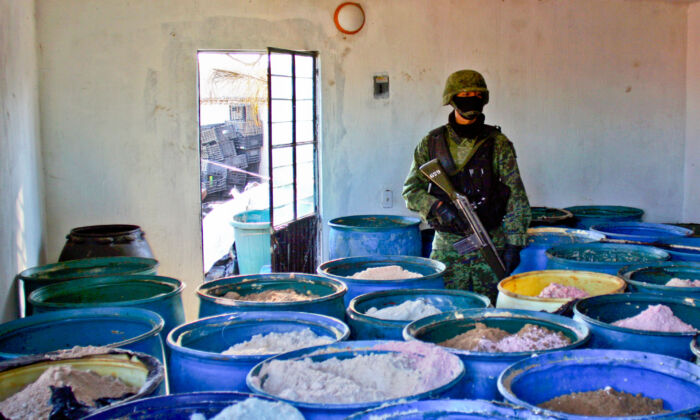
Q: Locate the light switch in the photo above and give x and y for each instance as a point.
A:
(381, 86)
(387, 199)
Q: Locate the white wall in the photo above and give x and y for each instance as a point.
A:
(592, 93)
(21, 177)
(691, 210)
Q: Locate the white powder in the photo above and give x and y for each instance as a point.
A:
(387, 272)
(676, 282)
(255, 409)
(409, 310)
(274, 343)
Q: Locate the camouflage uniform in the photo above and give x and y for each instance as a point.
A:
(470, 271)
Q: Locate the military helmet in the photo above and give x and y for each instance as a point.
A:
(464, 81)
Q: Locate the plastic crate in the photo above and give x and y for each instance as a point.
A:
(212, 151)
(239, 161)
(234, 178)
(211, 169)
(226, 132)
(254, 141)
(207, 135)
(228, 148)
(253, 156)
(215, 183)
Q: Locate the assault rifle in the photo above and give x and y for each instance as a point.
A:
(478, 238)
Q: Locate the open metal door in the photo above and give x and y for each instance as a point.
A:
(293, 151)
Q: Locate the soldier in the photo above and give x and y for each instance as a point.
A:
(482, 165)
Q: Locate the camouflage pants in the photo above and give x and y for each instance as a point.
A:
(468, 272)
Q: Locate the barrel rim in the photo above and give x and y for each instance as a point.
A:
(340, 289)
(348, 347)
(563, 230)
(72, 285)
(80, 315)
(337, 223)
(641, 297)
(322, 269)
(247, 318)
(203, 396)
(628, 271)
(502, 289)
(579, 329)
(695, 347)
(119, 229)
(601, 356)
(249, 225)
(604, 210)
(649, 250)
(355, 315)
(45, 270)
(670, 230)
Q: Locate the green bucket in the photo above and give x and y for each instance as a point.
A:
(36, 277)
(252, 237)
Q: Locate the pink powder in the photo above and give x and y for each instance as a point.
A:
(676, 282)
(437, 366)
(655, 318)
(559, 291)
(532, 338)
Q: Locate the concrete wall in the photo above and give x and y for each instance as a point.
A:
(691, 211)
(592, 93)
(21, 196)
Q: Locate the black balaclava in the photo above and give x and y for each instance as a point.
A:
(469, 107)
(467, 130)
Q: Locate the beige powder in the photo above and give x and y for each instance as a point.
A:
(285, 295)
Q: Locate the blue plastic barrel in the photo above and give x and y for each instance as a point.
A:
(342, 269)
(449, 409)
(600, 312)
(680, 254)
(368, 327)
(600, 257)
(331, 292)
(652, 278)
(195, 362)
(251, 232)
(482, 368)
(639, 231)
(538, 379)
(375, 234)
(159, 294)
(539, 240)
(179, 406)
(129, 328)
(44, 275)
(587, 216)
(345, 350)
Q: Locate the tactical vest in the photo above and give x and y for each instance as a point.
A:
(477, 179)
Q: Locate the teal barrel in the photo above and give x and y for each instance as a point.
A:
(368, 327)
(599, 312)
(36, 277)
(251, 231)
(135, 369)
(195, 361)
(451, 368)
(375, 234)
(330, 292)
(551, 217)
(539, 240)
(183, 406)
(449, 409)
(587, 216)
(431, 271)
(482, 368)
(682, 254)
(640, 231)
(540, 378)
(600, 257)
(129, 328)
(159, 294)
(652, 277)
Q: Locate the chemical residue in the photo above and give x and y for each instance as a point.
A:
(409, 310)
(495, 340)
(676, 282)
(560, 291)
(274, 343)
(387, 272)
(597, 255)
(255, 409)
(655, 318)
(284, 295)
(605, 402)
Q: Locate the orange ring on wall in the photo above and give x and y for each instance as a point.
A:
(337, 11)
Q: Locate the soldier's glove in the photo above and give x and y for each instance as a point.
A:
(510, 255)
(444, 217)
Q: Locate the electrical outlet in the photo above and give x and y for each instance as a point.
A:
(387, 199)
